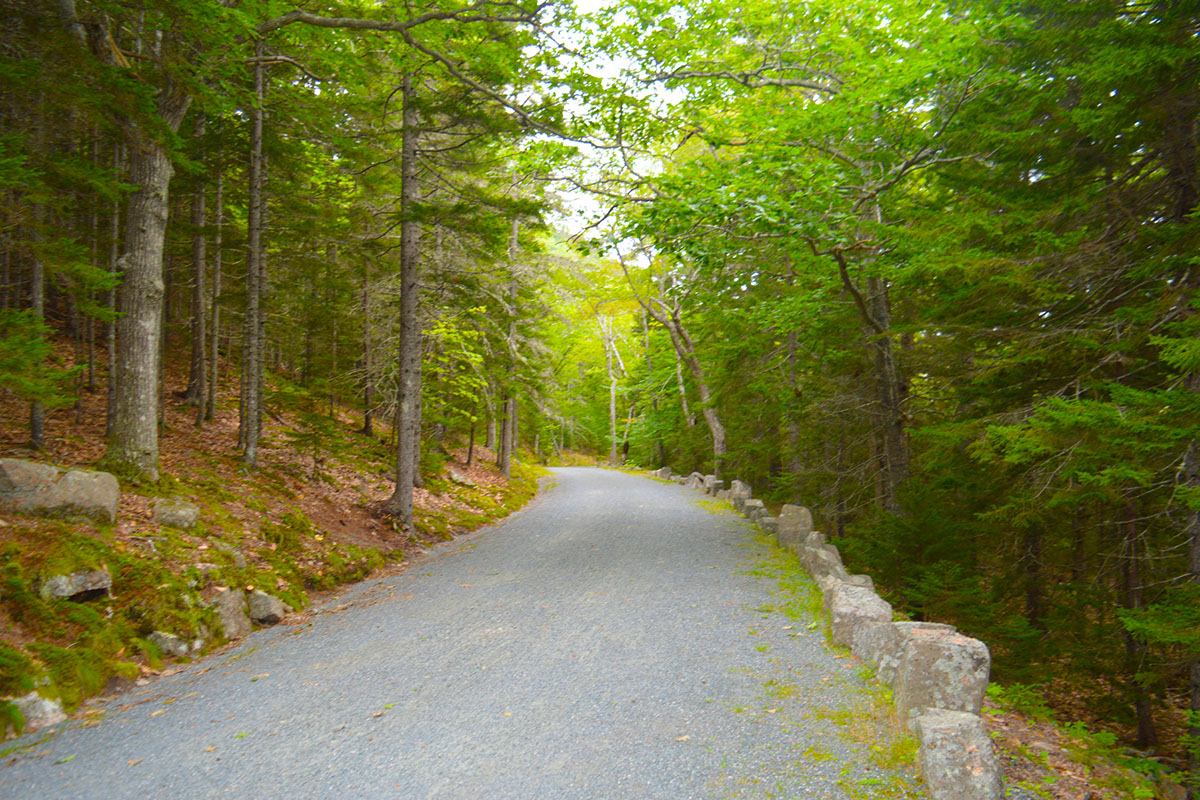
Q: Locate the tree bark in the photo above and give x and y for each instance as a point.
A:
(401, 502)
(37, 305)
(1132, 597)
(250, 424)
(606, 336)
(508, 438)
(368, 380)
(133, 442)
(214, 364)
(197, 390)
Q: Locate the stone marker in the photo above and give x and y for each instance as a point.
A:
(851, 608)
(882, 646)
(822, 561)
(712, 484)
(753, 508)
(795, 520)
(958, 761)
(663, 473)
(176, 513)
(265, 609)
(694, 481)
(769, 524)
(940, 669)
(33, 488)
(861, 580)
(794, 524)
(722, 494)
(84, 582)
(739, 493)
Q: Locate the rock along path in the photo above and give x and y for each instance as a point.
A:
(617, 639)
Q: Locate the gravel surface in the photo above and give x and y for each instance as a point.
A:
(616, 639)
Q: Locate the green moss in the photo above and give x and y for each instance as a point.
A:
(17, 672)
(74, 673)
(11, 718)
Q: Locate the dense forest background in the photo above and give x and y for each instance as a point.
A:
(926, 268)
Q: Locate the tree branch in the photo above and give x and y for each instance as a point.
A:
(476, 12)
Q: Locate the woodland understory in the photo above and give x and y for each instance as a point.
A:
(926, 268)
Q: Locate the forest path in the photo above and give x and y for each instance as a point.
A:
(616, 639)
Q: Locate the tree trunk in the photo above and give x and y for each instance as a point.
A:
(114, 269)
(1191, 479)
(37, 305)
(688, 416)
(197, 390)
(133, 442)
(508, 437)
(891, 414)
(250, 424)
(366, 341)
(1135, 649)
(1032, 545)
(660, 452)
(607, 339)
(502, 458)
(685, 349)
(214, 365)
(401, 502)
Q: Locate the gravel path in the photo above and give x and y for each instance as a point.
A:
(616, 639)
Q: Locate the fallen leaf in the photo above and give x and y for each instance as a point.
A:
(464, 586)
(683, 738)
(263, 675)
(156, 713)
(209, 749)
(378, 713)
(65, 760)
(134, 762)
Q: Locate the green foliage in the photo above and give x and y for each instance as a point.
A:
(1024, 699)
(27, 366)
(1172, 621)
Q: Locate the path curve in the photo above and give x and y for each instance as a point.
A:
(616, 639)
